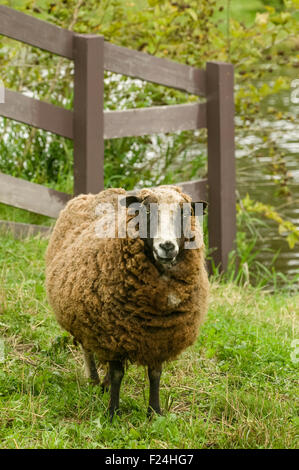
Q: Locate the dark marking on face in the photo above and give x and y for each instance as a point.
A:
(164, 246)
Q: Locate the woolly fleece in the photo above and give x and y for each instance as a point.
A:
(109, 295)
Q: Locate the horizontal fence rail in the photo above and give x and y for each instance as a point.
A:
(137, 122)
(118, 59)
(35, 32)
(132, 122)
(20, 230)
(31, 196)
(154, 69)
(196, 189)
(37, 113)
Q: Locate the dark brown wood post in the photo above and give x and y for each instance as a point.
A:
(88, 114)
(221, 161)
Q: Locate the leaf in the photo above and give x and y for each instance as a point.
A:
(262, 19)
(292, 239)
(281, 229)
(193, 14)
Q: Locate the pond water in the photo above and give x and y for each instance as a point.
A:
(256, 179)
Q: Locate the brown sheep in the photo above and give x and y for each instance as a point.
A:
(126, 299)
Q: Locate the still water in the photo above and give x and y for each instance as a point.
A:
(255, 178)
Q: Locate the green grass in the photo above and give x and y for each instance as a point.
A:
(235, 388)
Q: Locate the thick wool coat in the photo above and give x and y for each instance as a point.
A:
(111, 296)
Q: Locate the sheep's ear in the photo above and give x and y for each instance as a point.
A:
(128, 200)
(204, 203)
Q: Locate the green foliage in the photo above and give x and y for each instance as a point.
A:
(48, 159)
(285, 227)
(185, 32)
(274, 3)
(246, 264)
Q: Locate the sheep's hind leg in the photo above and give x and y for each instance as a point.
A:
(116, 370)
(90, 367)
(154, 376)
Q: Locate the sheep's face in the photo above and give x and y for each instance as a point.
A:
(166, 225)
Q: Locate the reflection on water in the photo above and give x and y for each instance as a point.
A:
(255, 179)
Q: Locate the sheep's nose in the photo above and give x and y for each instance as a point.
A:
(168, 246)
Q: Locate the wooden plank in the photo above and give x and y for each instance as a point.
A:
(197, 189)
(37, 113)
(158, 119)
(52, 38)
(221, 161)
(38, 33)
(116, 123)
(154, 69)
(31, 196)
(88, 114)
(21, 230)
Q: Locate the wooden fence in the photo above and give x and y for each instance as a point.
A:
(88, 124)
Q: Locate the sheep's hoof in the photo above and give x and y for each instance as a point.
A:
(112, 413)
(151, 411)
(94, 381)
(105, 385)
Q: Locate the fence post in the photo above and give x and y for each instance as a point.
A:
(88, 114)
(221, 161)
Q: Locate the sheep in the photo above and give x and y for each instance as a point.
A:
(127, 299)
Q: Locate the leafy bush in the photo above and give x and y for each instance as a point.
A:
(185, 32)
(188, 32)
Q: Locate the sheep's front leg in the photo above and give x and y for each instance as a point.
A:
(116, 370)
(90, 367)
(154, 376)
